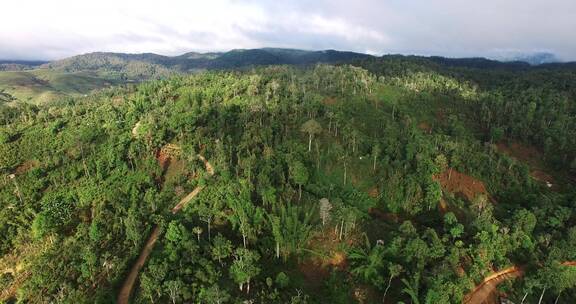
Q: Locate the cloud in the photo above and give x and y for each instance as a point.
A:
(38, 29)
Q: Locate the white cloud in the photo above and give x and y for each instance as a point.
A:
(59, 28)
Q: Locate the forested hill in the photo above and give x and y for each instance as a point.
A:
(388, 180)
(19, 65)
(38, 82)
(134, 65)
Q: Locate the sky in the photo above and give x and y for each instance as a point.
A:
(55, 29)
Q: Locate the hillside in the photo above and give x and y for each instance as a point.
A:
(45, 86)
(151, 65)
(82, 74)
(19, 65)
(41, 82)
(394, 179)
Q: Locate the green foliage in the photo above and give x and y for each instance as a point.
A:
(80, 192)
(222, 248)
(244, 268)
(368, 263)
(282, 280)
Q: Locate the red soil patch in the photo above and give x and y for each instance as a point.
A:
(166, 154)
(163, 159)
(443, 206)
(527, 154)
(26, 166)
(386, 216)
(329, 101)
(426, 127)
(374, 192)
(314, 273)
(316, 268)
(338, 260)
(543, 177)
(462, 184)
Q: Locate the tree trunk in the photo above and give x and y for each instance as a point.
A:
(344, 174)
(557, 298)
(277, 250)
(299, 192)
(374, 163)
(542, 295)
(387, 287)
(336, 229)
(524, 298)
(248, 287)
(309, 142)
(209, 230)
(341, 229)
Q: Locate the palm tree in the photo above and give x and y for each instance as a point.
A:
(368, 263)
(412, 288)
(291, 227)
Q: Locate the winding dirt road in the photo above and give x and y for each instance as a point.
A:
(482, 292)
(128, 285)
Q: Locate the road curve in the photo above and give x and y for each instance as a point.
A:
(483, 290)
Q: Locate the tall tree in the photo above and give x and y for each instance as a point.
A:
(312, 127)
(299, 174)
(221, 248)
(244, 268)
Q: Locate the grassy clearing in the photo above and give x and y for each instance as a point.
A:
(42, 86)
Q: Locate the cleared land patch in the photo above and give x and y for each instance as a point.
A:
(461, 184)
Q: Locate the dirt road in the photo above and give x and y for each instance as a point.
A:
(483, 291)
(128, 285)
(481, 294)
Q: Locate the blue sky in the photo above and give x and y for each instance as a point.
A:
(40, 29)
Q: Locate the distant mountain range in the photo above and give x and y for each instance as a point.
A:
(19, 65)
(152, 65)
(536, 58)
(41, 81)
(149, 65)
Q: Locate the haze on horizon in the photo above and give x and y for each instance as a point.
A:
(47, 30)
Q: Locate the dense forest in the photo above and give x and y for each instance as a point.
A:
(382, 180)
(46, 82)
